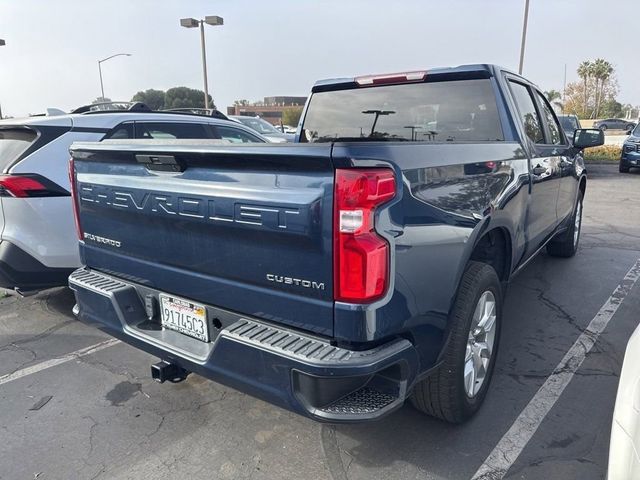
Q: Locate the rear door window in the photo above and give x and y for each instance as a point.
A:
(122, 131)
(169, 131)
(13, 143)
(235, 135)
(437, 111)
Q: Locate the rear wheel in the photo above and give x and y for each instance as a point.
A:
(566, 245)
(456, 390)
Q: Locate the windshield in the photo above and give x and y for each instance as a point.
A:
(569, 124)
(636, 131)
(13, 142)
(259, 125)
(448, 111)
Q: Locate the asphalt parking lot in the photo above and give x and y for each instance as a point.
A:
(97, 413)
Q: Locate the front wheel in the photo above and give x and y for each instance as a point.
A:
(567, 244)
(623, 168)
(456, 390)
(603, 127)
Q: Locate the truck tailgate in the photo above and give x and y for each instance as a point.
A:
(245, 228)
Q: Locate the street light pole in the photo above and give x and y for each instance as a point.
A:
(2, 44)
(524, 35)
(212, 20)
(204, 65)
(100, 69)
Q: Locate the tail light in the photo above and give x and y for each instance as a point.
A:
(29, 185)
(361, 256)
(74, 199)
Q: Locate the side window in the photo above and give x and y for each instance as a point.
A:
(122, 131)
(235, 135)
(160, 130)
(528, 112)
(550, 120)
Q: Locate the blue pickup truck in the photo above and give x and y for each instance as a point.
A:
(341, 275)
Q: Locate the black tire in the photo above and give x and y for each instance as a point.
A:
(566, 245)
(630, 128)
(623, 168)
(442, 394)
(602, 127)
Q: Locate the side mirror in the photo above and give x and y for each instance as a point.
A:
(588, 137)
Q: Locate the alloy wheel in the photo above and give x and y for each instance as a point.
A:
(480, 344)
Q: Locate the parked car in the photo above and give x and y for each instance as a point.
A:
(630, 156)
(286, 129)
(264, 128)
(614, 124)
(38, 246)
(350, 272)
(569, 123)
(624, 456)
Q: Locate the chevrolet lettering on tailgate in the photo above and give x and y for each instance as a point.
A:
(211, 209)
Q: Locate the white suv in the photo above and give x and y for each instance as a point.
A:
(38, 244)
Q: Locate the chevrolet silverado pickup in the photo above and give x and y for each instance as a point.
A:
(341, 275)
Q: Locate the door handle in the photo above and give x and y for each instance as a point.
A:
(539, 170)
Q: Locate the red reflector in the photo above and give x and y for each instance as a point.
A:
(405, 77)
(74, 199)
(21, 187)
(361, 256)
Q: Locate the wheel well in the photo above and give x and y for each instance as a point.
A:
(494, 248)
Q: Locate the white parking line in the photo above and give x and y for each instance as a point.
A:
(513, 442)
(38, 367)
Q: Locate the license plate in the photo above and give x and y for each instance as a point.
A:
(184, 316)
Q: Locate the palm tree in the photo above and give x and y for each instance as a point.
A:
(554, 98)
(585, 70)
(602, 71)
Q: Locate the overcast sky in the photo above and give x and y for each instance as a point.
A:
(280, 47)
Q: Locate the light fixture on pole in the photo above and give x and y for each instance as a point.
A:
(100, 68)
(524, 35)
(212, 20)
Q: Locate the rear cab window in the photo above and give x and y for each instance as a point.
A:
(13, 143)
(437, 111)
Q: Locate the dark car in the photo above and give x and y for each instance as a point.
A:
(342, 275)
(614, 124)
(630, 156)
(569, 123)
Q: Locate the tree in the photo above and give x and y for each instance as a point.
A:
(595, 95)
(185, 97)
(601, 71)
(154, 99)
(291, 116)
(241, 103)
(585, 70)
(554, 98)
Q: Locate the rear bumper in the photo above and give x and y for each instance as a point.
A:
(20, 270)
(295, 371)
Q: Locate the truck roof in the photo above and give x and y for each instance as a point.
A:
(477, 70)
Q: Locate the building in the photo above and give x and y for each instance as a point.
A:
(270, 109)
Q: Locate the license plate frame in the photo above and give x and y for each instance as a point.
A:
(184, 316)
